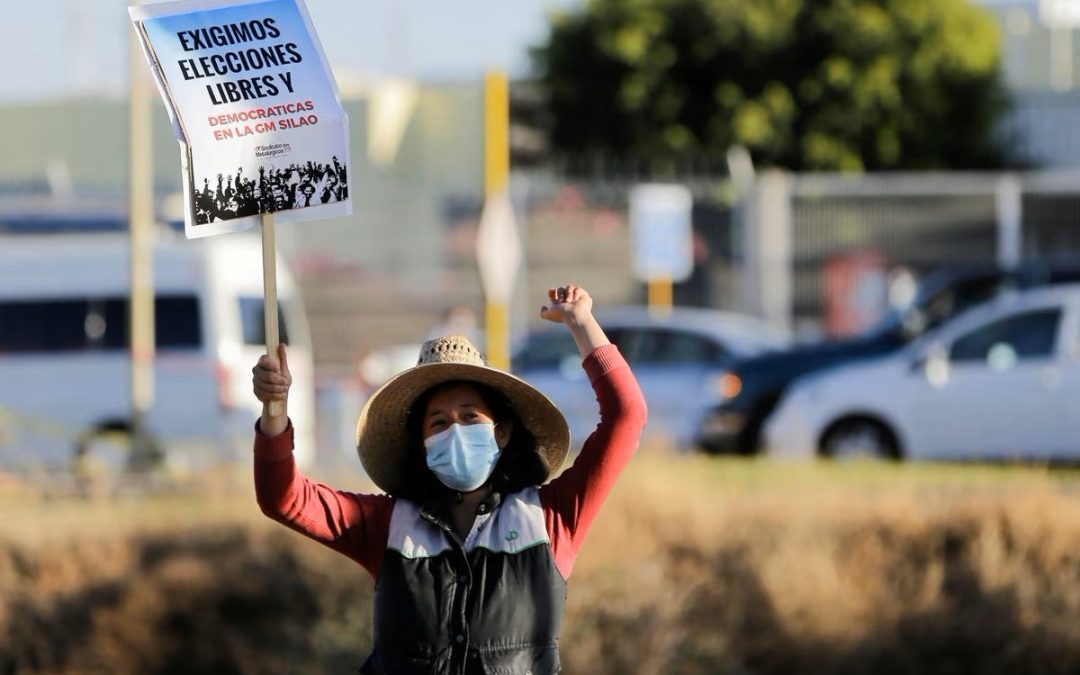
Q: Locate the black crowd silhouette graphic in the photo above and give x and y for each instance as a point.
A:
(274, 189)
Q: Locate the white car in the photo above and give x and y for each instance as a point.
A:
(679, 360)
(1001, 381)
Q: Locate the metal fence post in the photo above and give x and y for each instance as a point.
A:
(765, 275)
(1008, 205)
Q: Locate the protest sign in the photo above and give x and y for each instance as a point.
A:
(255, 108)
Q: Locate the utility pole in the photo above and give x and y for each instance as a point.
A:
(140, 223)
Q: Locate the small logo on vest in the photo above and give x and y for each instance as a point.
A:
(512, 535)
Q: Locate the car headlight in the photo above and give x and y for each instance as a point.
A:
(727, 385)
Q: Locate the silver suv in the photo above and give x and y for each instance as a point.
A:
(679, 360)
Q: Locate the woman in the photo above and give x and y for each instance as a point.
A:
(469, 549)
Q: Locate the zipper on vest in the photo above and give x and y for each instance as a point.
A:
(459, 633)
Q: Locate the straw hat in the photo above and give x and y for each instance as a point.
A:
(382, 436)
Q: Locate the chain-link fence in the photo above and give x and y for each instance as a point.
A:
(387, 275)
(840, 243)
(868, 227)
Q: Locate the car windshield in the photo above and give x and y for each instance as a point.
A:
(547, 349)
(938, 301)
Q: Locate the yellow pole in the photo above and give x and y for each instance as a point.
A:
(496, 180)
(141, 222)
(497, 320)
(661, 296)
(496, 133)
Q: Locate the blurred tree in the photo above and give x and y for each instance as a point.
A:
(803, 84)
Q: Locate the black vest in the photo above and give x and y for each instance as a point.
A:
(490, 605)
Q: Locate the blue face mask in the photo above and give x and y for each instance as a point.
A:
(462, 457)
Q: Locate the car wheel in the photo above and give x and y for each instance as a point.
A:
(749, 441)
(712, 448)
(859, 438)
(103, 458)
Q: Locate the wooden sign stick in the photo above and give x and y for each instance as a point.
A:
(270, 302)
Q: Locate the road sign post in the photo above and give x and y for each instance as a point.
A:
(498, 248)
(498, 254)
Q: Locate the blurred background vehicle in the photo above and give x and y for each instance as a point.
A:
(1001, 381)
(65, 370)
(757, 383)
(680, 361)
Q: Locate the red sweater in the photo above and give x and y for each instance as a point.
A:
(357, 525)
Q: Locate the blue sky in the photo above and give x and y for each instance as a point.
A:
(80, 46)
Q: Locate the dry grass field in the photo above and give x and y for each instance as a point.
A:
(696, 566)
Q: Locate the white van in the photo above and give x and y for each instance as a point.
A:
(64, 363)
